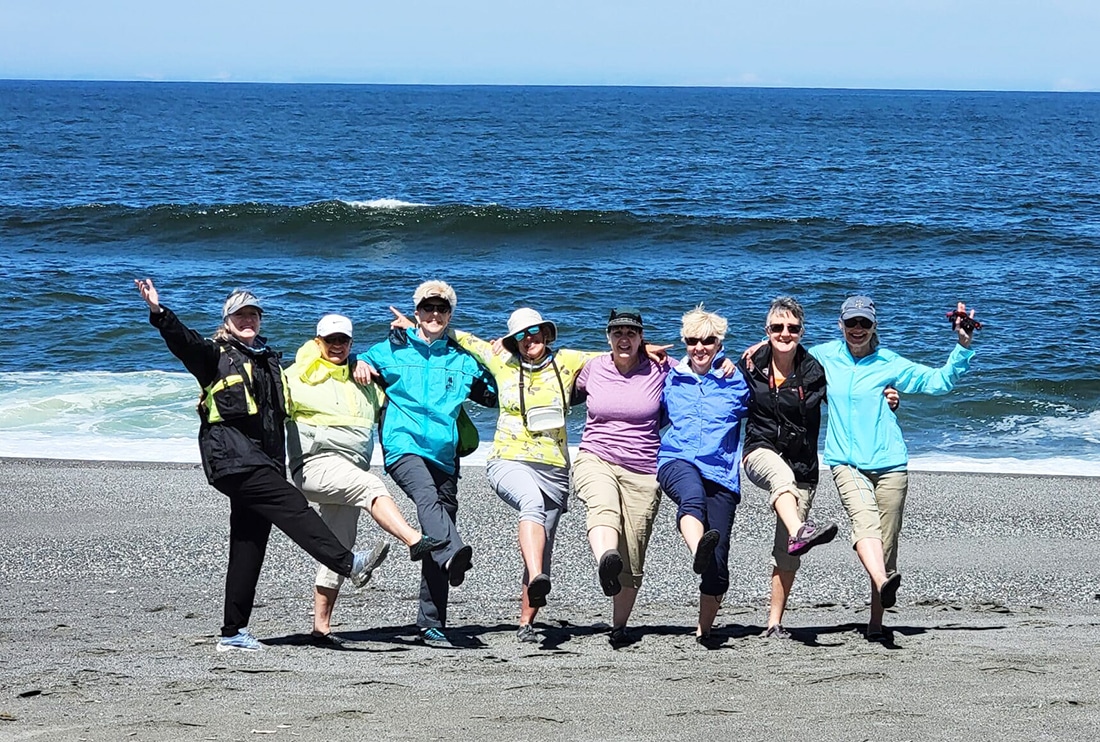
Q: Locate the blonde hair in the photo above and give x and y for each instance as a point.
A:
(701, 323)
(435, 288)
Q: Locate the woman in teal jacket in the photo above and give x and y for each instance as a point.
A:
(426, 377)
(864, 445)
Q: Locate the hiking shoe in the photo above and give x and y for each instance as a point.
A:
(426, 544)
(537, 590)
(367, 561)
(242, 641)
(527, 634)
(619, 638)
(809, 536)
(611, 565)
(326, 641)
(888, 593)
(704, 552)
(776, 632)
(435, 638)
(458, 565)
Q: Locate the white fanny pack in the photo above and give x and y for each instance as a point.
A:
(545, 417)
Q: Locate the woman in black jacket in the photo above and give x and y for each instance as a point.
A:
(243, 446)
(787, 387)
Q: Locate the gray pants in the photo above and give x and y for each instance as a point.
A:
(538, 491)
(435, 494)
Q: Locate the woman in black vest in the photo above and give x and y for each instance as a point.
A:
(243, 446)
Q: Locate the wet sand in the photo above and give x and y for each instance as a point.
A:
(112, 587)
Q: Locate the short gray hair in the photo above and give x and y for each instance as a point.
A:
(787, 304)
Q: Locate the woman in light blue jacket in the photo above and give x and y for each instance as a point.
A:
(864, 445)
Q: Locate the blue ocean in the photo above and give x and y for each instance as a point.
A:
(570, 200)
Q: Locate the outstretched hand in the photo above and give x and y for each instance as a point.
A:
(148, 292)
(400, 321)
(657, 353)
(964, 329)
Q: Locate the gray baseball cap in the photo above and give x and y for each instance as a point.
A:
(858, 306)
(237, 300)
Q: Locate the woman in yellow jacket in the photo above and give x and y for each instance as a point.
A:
(330, 442)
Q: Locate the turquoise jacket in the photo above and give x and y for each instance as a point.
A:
(863, 431)
(425, 386)
(704, 416)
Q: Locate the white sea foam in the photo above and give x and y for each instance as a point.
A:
(383, 203)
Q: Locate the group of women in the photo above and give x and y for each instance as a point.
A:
(653, 423)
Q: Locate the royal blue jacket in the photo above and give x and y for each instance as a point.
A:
(863, 431)
(704, 416)
(425, 386)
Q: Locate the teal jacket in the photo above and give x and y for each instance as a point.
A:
(425, 386)
(863, 431)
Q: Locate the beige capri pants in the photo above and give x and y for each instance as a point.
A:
(875, 502)
(342, 490)
(769, 471)
(621, 499)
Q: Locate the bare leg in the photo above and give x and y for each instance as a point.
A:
(870, 554)
(691, 528)
(532, 543)
(782, 580)
(527, 613)
(786, 507)
(324, 600)
(385, 512)
(622, 605)
(708, 611)
(602, 539)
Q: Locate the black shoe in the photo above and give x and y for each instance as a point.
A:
(426, 544)
(537, 590)
(704, 552)
(888, 593)
(326, 641)
(708, 641)
(611, 565)
(457, 566)
(619, 638)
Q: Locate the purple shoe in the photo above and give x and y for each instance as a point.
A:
(809, 536)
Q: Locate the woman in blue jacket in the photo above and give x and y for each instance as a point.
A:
(426, 377)
(700, 456)
(864, 446)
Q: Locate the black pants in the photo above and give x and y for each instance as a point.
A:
(435, 494)
(259, 499)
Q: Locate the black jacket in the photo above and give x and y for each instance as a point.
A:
(786, 419)
(243, 443)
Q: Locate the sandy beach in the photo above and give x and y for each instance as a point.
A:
(112, 587)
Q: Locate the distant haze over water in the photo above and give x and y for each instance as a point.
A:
(570, 200)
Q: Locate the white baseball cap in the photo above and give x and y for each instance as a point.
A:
(333, 324)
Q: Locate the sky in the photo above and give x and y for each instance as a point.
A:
(1047, 45)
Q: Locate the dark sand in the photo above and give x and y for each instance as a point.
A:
(112, 587)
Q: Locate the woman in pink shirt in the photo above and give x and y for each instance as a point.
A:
(615, 473)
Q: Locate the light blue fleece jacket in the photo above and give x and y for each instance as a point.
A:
(425, 386)
(863, 431)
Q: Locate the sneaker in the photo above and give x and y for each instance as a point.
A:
(367, 561)
(458, 565)
(619, 638)
(888, 593)
(527, 634)
(708, 641)
(704, 552)
(327, 641)
(243, 641)
(426, 544)
(537, 590)
(776, 632)
(809, 536)
(435, 638)
(611, 565)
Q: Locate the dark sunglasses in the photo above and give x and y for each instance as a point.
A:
(778, 328)
(529, 332)
(336, 339)
(863, 322)
(707, 341)
(433, 306)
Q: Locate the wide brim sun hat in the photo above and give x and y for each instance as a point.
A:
(523, 318)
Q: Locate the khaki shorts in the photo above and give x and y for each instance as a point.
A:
(875, 504)
(621, 499)
(342, 490)
(769, 471)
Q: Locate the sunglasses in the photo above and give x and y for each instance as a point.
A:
(336, 340)
(433, 306)
(529, 332)
(707, 341)
(863, 322)
(777, 328)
